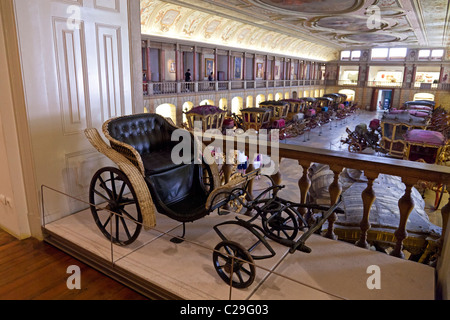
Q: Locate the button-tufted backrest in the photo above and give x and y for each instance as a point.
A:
(145, 132)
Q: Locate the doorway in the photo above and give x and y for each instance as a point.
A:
(382, 99)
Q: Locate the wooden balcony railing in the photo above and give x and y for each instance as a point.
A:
(410, 173)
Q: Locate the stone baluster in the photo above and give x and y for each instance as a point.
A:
(277, 178)
(406, 205)
(304, 184)
(368, 197)
(335, 192)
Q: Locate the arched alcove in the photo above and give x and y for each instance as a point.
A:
(207, 102)
(223, 104)
(250, 102)
(260, 98)
(424, 96)
(167, 111)
(236, 105)
(186, 107)
(349, 93)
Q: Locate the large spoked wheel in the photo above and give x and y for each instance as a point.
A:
(234, 264)
(280, 224)
(114, 206)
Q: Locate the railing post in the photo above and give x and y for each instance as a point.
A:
(305, 184)
(368, 197)
(250, 168)
(335, 192)
(406, 205)
(227, 171)
(445, 212)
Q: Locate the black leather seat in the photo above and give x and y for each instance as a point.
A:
(177, 189)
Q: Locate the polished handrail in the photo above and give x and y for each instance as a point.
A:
(410, 173)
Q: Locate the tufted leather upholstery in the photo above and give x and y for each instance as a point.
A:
(177, 190)
(146, 133)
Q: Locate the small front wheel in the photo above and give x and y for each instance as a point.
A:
(234, 264)
(355, 147)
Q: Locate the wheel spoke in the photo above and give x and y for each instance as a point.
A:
(124, 224)
(113, 185)
(122, 190)
(105, 187)
(117, 228)
(101, 195)
(106, 222)
(238, 273)
(246, 271)
(128, 215)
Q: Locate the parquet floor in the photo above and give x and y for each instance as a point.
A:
(33, 270)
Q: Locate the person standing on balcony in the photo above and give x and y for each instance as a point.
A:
(187, 76)
(211, 79)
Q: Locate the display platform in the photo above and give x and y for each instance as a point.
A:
(161, 269)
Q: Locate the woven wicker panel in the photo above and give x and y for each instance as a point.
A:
(135, 176)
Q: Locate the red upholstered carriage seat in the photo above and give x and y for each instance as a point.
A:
(374, 124)
(279, 124)
(427, 137)
(311, 112)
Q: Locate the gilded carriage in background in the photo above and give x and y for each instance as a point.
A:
(296, 107)
(308, 102)
(211, 117)
(279, 109)
(394, 127)
(256, 118)
(338, 98)
(324, 104)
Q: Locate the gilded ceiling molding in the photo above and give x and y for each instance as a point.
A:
(174, 21)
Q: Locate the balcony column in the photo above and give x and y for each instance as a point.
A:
(368, 197)
(335, 192)
(304, 184)
(406, 205)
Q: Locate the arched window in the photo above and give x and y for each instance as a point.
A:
(349, 93)
(167, 111)
(223, 104)
(207, 103)
(186, 107)
(250, 102)
(236, 105)
(259, 98)
(424, 96)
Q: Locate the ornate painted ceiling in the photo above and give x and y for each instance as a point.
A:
(315, 29)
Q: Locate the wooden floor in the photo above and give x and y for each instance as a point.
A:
(33, 270)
